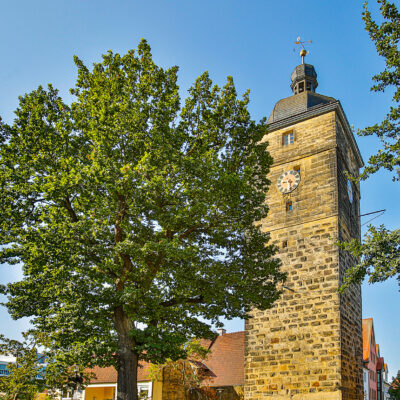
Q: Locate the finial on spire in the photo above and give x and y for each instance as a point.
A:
(303, 51)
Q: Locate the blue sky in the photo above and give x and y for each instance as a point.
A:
(251, 40)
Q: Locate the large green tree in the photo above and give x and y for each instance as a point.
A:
(33, 372)
(135, 218)
(380, 251)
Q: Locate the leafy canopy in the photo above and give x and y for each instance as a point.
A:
(379, 254)
(24, 378)
(386, 39)
(380, 250)
(33, 372)
(134, 218)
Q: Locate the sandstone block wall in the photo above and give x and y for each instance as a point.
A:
(350, 301)
(306, 346)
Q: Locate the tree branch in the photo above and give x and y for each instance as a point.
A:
(67, 204)
(183, 300)
(185, 234)
(119, 236)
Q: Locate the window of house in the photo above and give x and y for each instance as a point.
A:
(301, 87)
(289, 206)
(288, 138)
(144, 390)
(284, 244)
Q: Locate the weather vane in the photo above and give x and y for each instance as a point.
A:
(303, 51)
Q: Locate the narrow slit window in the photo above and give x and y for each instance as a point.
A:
(284, 244)
(289, 206)
(301, 87)
(288, 138)
(297, 168)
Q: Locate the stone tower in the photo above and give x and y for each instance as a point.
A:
(309, 345)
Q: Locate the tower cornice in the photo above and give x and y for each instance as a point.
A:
(319, 110)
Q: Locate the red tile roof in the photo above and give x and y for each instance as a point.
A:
(226, 360)
(103, 375)
(367, 333)
(206, 343)
(109, 374)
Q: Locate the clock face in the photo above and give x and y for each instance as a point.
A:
(288, 181)
(350, 190)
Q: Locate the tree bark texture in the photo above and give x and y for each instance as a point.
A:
(127, 358)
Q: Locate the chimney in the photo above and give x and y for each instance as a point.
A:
(221, 331)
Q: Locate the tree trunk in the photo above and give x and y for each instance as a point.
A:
(127, 358)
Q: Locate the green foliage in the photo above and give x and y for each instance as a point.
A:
(33, 372)
(379, 254)
(394, 390)
(379, 251)
(386, 37)
(193, 350)
(135, 219)
(22, 382)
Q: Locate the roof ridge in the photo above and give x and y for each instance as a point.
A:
(231, 333)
